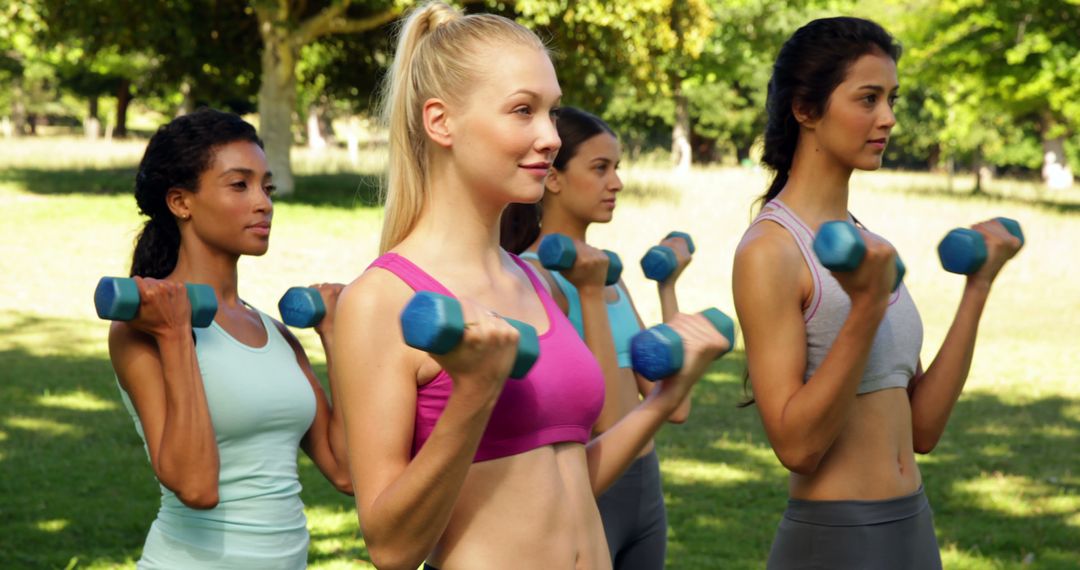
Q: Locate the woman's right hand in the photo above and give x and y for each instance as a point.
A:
(164, 307)
(702, 344)
(871, 283)
(481, 362)
(590, 268)
(683, 257)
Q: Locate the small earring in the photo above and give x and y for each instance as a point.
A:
(185, 217)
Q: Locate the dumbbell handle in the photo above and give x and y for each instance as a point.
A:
(557, 253)
(657, 352)
(840, 247)
(963, 251)
(117, 299)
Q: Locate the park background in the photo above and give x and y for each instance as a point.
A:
(988, 121)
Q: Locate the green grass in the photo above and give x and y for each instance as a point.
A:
(76, 490)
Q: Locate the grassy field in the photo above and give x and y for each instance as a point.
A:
(76, 490)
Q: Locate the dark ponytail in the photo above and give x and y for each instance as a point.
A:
(520, 225)
(176, 156)
(811, 64)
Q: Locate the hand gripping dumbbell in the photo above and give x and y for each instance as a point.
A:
(557, 252)
(657, 352)
(660, 261)
(117, 299)
(434, 323)
(840, 247)
(963, 250)
(302, 307)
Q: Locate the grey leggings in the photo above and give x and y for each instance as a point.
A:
(894, 534)
(635, 521)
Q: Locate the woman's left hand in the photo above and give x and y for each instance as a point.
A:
(329, 293)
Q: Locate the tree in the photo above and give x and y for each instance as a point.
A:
(286, 27)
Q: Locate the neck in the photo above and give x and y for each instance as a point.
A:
(198, 263)
(557, 220)
(817, 186)
(456, 223)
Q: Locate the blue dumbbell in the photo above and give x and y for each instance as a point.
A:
(117, 299)
(660, 261)
(301, 307)
(657, 352)
(840, 247)
(963, 250)
(434, 323)
(557, 252)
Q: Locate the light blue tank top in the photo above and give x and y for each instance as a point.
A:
(261, 405)
(621, 317)
(894, 354)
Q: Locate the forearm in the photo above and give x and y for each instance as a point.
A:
(403, 524)
(610, 454)
(669, 302)
(187, 459)
(336, 425)
(599, 340)
(936, 392)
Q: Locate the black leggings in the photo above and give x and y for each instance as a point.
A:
(894, 534)
(635, 521)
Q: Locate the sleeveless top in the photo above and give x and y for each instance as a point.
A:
(261, 405)
(621, 317)
(894, 354)
(557, 401)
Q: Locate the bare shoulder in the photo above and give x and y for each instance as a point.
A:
(375, 293)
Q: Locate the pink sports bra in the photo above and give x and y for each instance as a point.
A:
(557, 401)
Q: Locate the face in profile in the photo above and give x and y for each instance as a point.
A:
(858, 118)
(590, 182)
(504, 136)
(232, 209)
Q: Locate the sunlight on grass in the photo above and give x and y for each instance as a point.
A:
(955, 559)
(1016, 496)
(685, 471)
(47, 427)
(52, 525)
(78, 400)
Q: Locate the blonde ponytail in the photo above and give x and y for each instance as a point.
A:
(437, 55)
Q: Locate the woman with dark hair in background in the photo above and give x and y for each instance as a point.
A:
(221, 409)
(833, 358)
(581, 189)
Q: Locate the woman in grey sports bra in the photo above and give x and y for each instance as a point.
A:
(833, 359)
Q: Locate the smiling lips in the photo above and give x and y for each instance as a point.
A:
(538, 169)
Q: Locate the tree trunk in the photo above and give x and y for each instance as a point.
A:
(976, 167)
(18, 110)
(92, 124)
(123, 99)
(680, 133)
(277, 99)
(187, 103)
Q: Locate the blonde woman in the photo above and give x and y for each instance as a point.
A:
(452, 463)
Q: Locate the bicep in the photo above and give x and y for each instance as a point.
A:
(376, 375)
(768, 302)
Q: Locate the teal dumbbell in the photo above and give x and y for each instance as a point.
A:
(841, 248)
(557, 252)
(963, 250)
(660, 261)
(302, 307)
(434, 323)
(657, 352)
(117, 299)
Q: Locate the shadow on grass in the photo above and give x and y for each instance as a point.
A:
(76, 482)
(1041, 200)
(345, 190)
(1001, 482)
